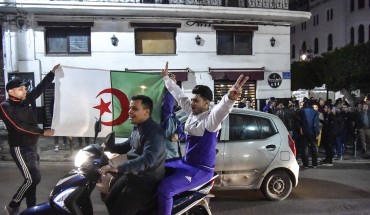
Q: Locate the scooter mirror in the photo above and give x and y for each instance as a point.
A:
(109, 141)
(97, 128)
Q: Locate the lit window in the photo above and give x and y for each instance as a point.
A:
(155, 41)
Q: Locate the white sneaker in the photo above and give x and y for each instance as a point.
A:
(11, 211)
(56, 149)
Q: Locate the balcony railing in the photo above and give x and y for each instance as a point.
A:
(266, 4)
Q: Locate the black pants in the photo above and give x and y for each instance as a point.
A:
(309, 142)
(130, 194)
(27, 161)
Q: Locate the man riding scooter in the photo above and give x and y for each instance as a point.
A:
(144, 168)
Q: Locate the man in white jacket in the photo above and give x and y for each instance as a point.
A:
(202, 126)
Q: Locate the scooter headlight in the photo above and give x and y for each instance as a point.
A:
(81, 157)
(59, 199)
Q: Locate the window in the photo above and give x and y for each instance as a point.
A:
(155, 41)
(316, 20)
(327, 15)
(361, 4)
(330, 42)
(352, 5)
(292, 29)
(331, 14)
(68, 40)
(304, 47)
(245, 127)
(316, 48)
(234, 43)
(303, 26)
(352, 36)
(361, 34)
(293, 51)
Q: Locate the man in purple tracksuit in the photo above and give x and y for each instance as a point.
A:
(202, 126)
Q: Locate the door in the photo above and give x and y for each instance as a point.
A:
(252, 144)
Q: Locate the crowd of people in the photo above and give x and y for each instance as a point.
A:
(334, 126)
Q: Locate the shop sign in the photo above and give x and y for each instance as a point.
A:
(274, 80)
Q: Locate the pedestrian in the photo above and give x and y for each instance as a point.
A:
(363, 127)
(309, 122)
(328, 135)
(242, 103)
(349, 122)
(202, 126)
(145, 149)
(288, 116)
(23, 134)
(171, 125)
(80, 141)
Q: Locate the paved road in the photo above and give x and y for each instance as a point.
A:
(342, 189)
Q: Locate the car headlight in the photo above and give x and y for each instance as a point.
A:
(81, 157)
(59, 199)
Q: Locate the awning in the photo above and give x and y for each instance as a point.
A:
(234, 73)
(181, 74)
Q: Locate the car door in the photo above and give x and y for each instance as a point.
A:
(251, 143)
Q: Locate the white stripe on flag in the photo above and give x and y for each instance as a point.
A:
(76, 91)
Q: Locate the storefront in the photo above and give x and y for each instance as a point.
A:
(226, 77)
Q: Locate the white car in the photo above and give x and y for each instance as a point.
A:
(255, 151)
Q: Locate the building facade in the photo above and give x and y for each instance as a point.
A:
(207, 42)
(333, 24)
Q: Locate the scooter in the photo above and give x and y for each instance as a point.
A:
(71, 194)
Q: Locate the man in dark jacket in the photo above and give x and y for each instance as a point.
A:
(309, 122)
(363, 126)
(145, 149)
(23, 133)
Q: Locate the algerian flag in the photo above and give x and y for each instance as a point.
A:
(84, 95)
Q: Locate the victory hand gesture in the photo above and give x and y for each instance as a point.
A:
(236, 90)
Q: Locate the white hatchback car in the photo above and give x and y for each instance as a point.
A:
(255, 151)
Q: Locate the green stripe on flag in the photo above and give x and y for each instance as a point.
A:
(136, 83)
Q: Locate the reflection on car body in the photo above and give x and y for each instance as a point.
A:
(255, 151)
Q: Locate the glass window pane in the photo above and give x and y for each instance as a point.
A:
(57, 45)
(155, 42)
(225, 43)
(267, 130)
(243, 127)
(79, 44)
(243, 44)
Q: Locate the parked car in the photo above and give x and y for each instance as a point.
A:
(255, 151)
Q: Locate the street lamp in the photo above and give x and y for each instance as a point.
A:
(306, 55)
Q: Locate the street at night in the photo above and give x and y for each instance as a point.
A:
(341, 189)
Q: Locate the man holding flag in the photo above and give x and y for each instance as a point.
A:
(202, 126)
(23, 134)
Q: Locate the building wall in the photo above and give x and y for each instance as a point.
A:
(339, 26)
(189, 55)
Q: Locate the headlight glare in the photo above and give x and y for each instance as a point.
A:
(82, 157)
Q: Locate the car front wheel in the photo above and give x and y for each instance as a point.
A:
(277, 185)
